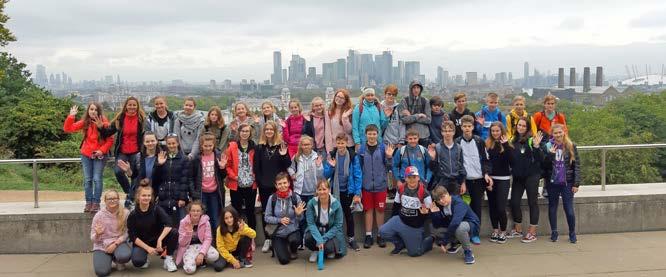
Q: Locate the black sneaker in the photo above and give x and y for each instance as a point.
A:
(354, 245)
(493, 237)
(454, 248)
(501, 239)
(397, 250)
(381, 242)
(368, 241)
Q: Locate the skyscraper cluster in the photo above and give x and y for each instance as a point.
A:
(54, 81)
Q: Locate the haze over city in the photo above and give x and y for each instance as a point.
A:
(152, 40)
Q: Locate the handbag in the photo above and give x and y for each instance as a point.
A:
(271, 229)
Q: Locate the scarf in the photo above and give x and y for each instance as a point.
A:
(192, 121)
(283, 194)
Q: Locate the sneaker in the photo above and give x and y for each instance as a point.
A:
(493, 237)
(245, 263)
(368, 241)
(544, 193)
(529, 238)
(169, 264)
(313, 257)
(301, 247)
(120, 267)
(94, 208)
(514, 234)
(501, 239)
(293, 256)
(476, 240)
(572, 238)
(553, 236)
(267, 246)
(381, 242)
(454, 248)
(469, 257)
(354, 245)
(147, 264)
(397, 250)
(330, 255)
(86, 209)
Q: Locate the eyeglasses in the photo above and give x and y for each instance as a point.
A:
(115, 199)
(340, 97)
(392, 94)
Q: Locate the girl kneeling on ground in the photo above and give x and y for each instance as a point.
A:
(234, 241)
(109, 235)
(194, 239)
(325, 218)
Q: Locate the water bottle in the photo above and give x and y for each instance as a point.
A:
(320, 260)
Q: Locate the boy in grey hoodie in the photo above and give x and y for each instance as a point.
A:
(415, 112)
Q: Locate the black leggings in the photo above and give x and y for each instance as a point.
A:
(497, 200)
(140, 256)
(243, 200)
(283, 247)
(345, 201)
(264, 194)
(520, 185)
(311, 243)
(476, 189)
(240, 253)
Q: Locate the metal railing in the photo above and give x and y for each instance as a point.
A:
(604, 149)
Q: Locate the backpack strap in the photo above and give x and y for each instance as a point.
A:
(420, 192)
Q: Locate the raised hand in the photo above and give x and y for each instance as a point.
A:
(331, 161)
(161, 158)
(388, 111)
(504, 139)
(283, 149)
(123, 165)
(424, 209)
(97, 121)
(481, 119)
(348, 113)
(434, 208)
(389, 150)
(318, 161)
(74, 110)
(432, 151)
(234, 126)
(536, 140)
(222, 162)
(300, 208)
(255, 118)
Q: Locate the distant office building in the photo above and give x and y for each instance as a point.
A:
(471, 79)
(340, 70)
(296, 69)
(328, 73)
(412, 71)
(367, 71)
(353, 67)
(400, 78)
(227, 84)
(384, 67)
(312, 73)
(40, 76)
(276, 77)
(526, 74)
(212, 84)
(440, 77)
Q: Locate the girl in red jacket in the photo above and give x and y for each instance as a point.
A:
(240, 178)
(93, 151)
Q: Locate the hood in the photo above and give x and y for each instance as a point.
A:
(154, 115)
(487, 111)
(333, 199)
(194, 119)
(415, 83)
(514, 113)
(203, 220)
(369, 104)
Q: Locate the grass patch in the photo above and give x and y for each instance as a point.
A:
(19, 177)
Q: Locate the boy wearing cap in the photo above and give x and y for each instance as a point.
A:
(368, 111)
(461, 223)
(343, 171)
(375, 159)
(410, 209)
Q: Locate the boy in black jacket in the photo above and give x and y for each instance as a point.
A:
(476, 165)
(446, 162)
(461, 223)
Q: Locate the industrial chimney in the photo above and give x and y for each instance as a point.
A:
(572, 76)
(600, 76)
(560, 77)
(586, 79)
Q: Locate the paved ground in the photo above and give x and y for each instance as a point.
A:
(624, 254)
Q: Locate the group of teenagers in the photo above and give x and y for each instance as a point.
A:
(312, 171)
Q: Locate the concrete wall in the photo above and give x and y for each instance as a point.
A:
(70, 232)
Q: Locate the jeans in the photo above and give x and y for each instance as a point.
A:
(497, 200)
(102, 260)
(519, 186)
(211, 201)
(92, 178)
(405, 236)
(554, 193)
(125, 183)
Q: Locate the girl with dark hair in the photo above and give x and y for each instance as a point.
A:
(234, 241)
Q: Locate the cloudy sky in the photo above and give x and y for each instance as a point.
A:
(202, 40)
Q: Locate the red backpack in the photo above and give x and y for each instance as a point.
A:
(420, 193)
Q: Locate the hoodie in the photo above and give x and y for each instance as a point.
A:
(111, 233)
(160, 126)
(395, 131)
(188, 128)
(416, 105)
(512, 120)
(460, 212)
(372, 114)
(436, 126)
(282, 208)
(489, 117)
(306, 173)
(455, 117)
(204, 234)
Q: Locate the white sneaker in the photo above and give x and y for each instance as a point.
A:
(267, 246)
(169, 264)
(313, 256)
(120, 267)
(147, 264)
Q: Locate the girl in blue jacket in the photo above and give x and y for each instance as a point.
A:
(367, 112)
(324, 217)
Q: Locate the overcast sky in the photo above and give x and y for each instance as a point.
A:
(202, 40)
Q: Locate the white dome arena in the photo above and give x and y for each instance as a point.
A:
(651, 80)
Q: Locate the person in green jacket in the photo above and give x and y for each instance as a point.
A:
(325, 218)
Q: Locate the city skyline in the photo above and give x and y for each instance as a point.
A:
(198, 42)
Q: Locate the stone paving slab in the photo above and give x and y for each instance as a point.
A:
(619, 254)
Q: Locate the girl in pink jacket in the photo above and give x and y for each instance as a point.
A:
(194, 239)
(293, 129)
(109, 235)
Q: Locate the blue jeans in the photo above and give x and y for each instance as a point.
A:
(211, 201)
(405, 236)
(554, 193)
(126, 184)
(92, 178)
(302, 225)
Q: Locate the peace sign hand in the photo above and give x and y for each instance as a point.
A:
(255, 118)
(424, 209)
(537, 139)
(74, 110)
(161, 158)
(331, 161)
(431, 151)
(503, 139)
(318, 161)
